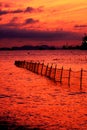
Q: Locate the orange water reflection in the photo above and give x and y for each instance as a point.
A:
(35, 101)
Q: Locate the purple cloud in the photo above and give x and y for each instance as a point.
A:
(17, 11)
(3, 12)
(29, 9)
(30, 21)
(39, 35)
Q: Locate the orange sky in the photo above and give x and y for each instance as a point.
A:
(44, 15)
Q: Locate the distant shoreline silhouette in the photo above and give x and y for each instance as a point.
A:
(83, 46)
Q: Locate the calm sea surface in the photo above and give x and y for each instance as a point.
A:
(29, 101)
(76, 59)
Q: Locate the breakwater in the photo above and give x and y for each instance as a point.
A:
(64, 76)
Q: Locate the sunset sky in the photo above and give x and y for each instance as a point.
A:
(51, 22)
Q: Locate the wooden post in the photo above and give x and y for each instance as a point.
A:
(55, 72)
(22, 64)
(69, 77)
(81, 74)
(42, 68)
(46, 69)
(50, 70)
(34, 67)
(28, 65)
(19, 63)
(25, 64)
(31, 66)
(61, 75)
(38, 67)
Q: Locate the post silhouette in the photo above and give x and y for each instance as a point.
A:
(69, 77)
(61, 75)
(81, 74)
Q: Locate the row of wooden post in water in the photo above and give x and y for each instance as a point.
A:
(49, 71)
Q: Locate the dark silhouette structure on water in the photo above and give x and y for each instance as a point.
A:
(83, 46)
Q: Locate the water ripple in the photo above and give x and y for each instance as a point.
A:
(4, 96)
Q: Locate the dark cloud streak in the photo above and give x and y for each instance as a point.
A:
(27, 10)
(3, 12)
(17, 11)
(39, 35)
(30, 21)
(80, 26)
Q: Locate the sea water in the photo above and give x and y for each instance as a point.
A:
(31, 101)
